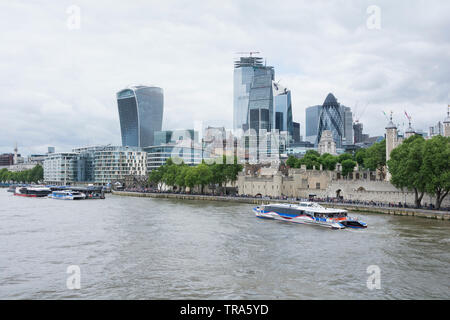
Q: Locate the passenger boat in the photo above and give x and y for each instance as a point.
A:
(32, 191)
(67, 195)
(309, 213)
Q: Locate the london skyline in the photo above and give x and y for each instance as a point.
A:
(59, 83)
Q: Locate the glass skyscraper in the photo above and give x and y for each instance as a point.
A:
(252, 95)
(283, 110)
(331, 118)
(347, 116)
(312, 123)
(141, 114)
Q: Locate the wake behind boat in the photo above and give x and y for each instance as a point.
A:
(309, 213)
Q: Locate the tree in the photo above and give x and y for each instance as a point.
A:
(348, 166)
(204, 175)
(310, 160)
(155, 177)
(360, 155)
(191, 177)
(436, 167)
(291, 162)
(375, 157)
(406, 167)
(170, 174)
(328, 161)
(180, 180)
(344, 156)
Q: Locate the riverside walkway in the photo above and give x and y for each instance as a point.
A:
(422, 213)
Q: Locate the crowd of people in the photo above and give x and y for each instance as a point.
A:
(338, 200)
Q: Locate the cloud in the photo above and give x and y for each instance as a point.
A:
(58, 85)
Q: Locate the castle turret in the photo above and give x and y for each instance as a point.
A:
(391, 141)
(409, 132)
(447, 123)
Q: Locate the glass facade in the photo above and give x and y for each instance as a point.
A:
(260, 102)
(347, 116)
(252, 94)
(296, 136)
(158, 155)
(312, 123)
(283, 112)
(331, 118)
(97, 164)
(141, 114)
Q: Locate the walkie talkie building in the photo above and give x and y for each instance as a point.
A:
(141, 114)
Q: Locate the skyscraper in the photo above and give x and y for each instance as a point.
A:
(252, 94)
(282, 110)
(141, 114)
(331, 118)
(358, 132)
(347, 117)
(296, 137)
(312, 123)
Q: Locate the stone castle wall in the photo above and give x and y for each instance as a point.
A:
(301, 183)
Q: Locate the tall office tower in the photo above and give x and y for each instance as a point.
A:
(282, 110)
(312, 123)
(252, 94)
(297, 138)
(436, 130)
(331, 119)
(347, 116)
(358, 132)
(141, 114)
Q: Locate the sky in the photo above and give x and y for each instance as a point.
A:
(61, 63)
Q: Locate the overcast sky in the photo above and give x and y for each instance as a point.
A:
(58, 83)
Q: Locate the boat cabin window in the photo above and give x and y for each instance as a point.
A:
(285, 210)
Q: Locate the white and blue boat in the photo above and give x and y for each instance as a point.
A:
(309, 213)
(67, 195)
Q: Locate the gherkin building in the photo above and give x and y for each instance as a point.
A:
(331, 119)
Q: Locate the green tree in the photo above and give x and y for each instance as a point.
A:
(170, 175)
(204, 175)
(406, 167)
(310, 160)
(328, 161)
(360, 155)
(155, 177)
(191, 177)
(348, 166)
(180, 180)
(344, 156)
(291, 162)
(375, 157)
(436, 167)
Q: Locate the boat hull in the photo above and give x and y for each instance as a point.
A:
(301, 219)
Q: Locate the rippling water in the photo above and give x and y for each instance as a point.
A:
(143, 248)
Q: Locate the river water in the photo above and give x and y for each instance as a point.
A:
(144, 248)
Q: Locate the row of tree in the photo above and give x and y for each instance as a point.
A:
(422, 166)
(372, 158)
(35, 174)
(182, 175)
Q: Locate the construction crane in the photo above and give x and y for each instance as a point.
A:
(249, 53)
(358, 116)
